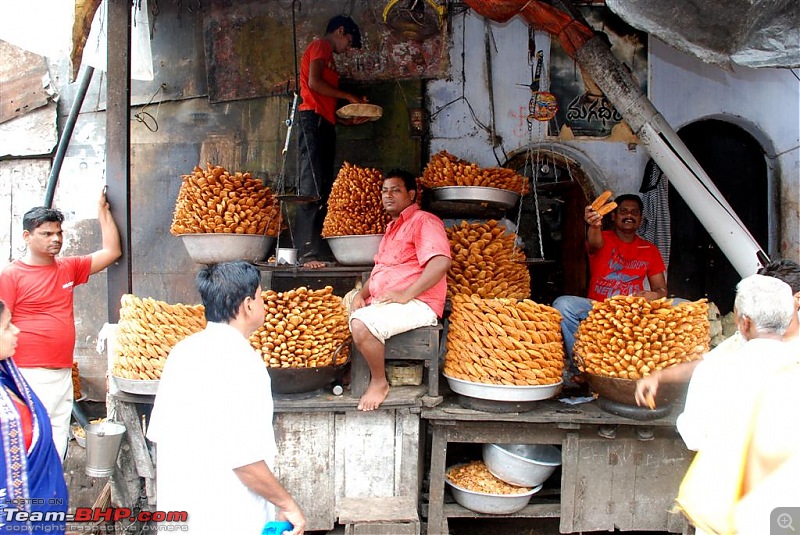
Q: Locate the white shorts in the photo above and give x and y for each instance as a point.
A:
(385, 320)
(53, 386)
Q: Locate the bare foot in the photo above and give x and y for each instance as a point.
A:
(314, 264)
(374, 396)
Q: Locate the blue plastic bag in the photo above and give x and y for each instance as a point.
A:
(276, 527)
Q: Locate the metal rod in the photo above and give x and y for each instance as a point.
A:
(66, 135)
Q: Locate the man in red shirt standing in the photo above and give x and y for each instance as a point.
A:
(319, 90)
(619, 263)
(38, 289)
(407, 287)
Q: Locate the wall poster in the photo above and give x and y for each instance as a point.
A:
(583, 109)
(251, 46)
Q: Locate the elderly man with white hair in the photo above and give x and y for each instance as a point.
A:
(722, 387)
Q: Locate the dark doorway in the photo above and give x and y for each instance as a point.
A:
(735, 162)
(551, 222)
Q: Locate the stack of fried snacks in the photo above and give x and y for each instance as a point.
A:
(631, 337)
(486, 262)
(504, 342)
(475, 476)
(213, 200)
(76, 381)
(302, 329)
(354, 205)
(444, 169)
(148, 330)
(602, 204)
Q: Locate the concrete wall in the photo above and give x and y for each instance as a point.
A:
(764, 102)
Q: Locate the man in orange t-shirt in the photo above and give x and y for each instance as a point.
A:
(38, 289)
(319, 90)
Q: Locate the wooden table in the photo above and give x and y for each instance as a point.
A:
(616, 472)
(328, 450)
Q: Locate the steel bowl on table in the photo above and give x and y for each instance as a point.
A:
(213, 248)
(524, 465)
(503, 392)
(493, 504)
(623, 391)
(355, 250)
(501, 198)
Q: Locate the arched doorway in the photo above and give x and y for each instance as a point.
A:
(555, 238)
(735, 162)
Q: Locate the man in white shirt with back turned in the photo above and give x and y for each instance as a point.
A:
(212, 417)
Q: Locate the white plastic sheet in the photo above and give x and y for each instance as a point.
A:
(95, 53)
(24, 24)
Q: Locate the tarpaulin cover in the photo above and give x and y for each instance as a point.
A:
(752, 33)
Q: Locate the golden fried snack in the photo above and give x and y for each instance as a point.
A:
(607, 208)
(302, 329)
(631, 337)
(76, 381)
(601, 200)
(503, 342)
(475, 476)
(148, 330)
(213, 200)
(354, 205)
(444, 170)
(486, 262)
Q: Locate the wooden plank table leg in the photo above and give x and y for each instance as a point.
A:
(437, 522)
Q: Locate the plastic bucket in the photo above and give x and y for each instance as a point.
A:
(102, 446)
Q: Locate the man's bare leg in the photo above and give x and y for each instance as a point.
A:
(374, 353)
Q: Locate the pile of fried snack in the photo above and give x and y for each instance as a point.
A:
(486, 262)
(475, 476)
(503, 342)
(445, 170)
(148, 330)
(303, 329)
(212, 200)
(630, 337)
(354, 205)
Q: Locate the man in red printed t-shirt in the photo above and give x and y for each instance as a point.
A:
(38, 289)
(619, 263)
(407, 287)
(320, 93)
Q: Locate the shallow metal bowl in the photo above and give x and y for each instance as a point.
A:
(493, 504)
(143, 387)
(356, 250)
(524, 465)
(623, 391)
(502, 392)
(214, 248)
(502, 198)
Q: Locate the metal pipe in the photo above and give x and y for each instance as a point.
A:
(673, 157)
(66, 135)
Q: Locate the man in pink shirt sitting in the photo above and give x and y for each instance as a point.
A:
(408, 285)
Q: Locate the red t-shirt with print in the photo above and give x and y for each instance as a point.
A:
(40, 300)
(319, 49)
(620, 268)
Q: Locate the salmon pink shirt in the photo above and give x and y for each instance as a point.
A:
(410, 242)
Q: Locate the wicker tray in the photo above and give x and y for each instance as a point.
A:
(373, 112)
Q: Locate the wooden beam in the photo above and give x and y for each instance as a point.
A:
(118, 96)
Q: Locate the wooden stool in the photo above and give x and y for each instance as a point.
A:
(394, 515)
(416, 344)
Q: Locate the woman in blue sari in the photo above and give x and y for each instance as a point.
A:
(33, 493)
